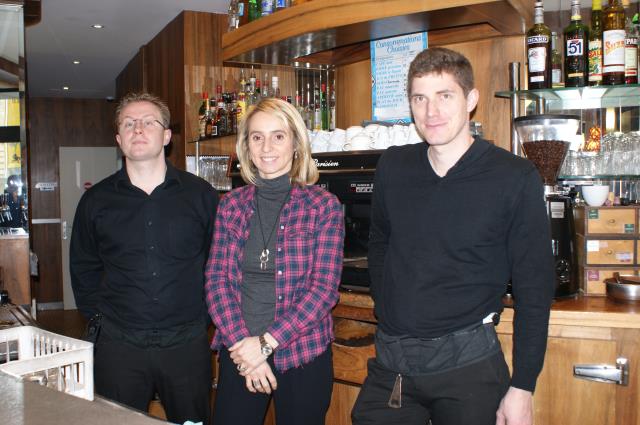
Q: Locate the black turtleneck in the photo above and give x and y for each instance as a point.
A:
(258, 286)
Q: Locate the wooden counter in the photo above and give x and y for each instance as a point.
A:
(582, 330)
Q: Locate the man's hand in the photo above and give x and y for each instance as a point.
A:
(246, 354)
(261, 380)
(516, 408)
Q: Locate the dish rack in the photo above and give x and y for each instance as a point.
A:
(55, 361)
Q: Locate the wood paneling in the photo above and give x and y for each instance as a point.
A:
(55, 122)
(165, 76)
(132, 77)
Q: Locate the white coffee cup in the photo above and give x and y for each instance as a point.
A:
(353, 131)
(359, 142)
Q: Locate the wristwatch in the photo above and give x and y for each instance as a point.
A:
(265, 348)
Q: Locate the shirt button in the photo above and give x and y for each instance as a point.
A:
(279, 249)
(156, 300)
(280, 272)
(154, 274)
(149, 223)
(151, 247)
(281, 227)
(280, 297)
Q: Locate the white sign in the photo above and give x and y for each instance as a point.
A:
(390, 60)
(46, 186)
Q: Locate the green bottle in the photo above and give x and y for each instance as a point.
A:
(254, 10)
(576, 42)
(595, 44)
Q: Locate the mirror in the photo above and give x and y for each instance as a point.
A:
(13, 149)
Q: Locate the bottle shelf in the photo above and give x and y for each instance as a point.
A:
(590, 97)
(321, 25)
(213, 139)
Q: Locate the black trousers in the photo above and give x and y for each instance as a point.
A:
(302, 397)
(463, 396)
(181, 375)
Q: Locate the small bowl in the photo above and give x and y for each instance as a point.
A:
(595, 195)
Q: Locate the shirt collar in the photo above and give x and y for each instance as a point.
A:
(172, 176)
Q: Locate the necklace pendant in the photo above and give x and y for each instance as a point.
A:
(264, 259)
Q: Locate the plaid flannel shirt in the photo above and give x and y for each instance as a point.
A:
(308, 263)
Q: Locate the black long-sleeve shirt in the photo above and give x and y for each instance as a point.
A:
(442, 249)
(139, 258)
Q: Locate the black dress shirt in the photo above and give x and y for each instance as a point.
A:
(138, 258)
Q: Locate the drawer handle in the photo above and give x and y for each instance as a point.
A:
(610, 374)
(611, 221)
(609, 251)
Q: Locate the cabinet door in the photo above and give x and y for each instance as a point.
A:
(562, 399)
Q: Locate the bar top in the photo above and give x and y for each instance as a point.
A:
(579, 311)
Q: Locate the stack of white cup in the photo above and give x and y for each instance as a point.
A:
(358, 138)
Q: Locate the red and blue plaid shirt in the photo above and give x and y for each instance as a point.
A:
(308, 263)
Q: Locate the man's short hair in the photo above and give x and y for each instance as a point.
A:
(438, 60)
(165, 115)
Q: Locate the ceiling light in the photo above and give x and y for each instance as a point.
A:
(76, 62)
(65, 88)
(97, 26)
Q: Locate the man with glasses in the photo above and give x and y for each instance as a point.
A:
(139, 245)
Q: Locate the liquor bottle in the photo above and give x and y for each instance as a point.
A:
(202, 116)
(254, 10)
(275, 87)
(576, 37)
(233, 15)
(539, 52)
(241, 107)
(265, 90)
(257, 92)
(243, 12)
(317, 112)
(630, 49)
(268, 7)
(556, 61)
(324, 107)
(332, 108)
(613, 35)
(595, 44)
(210, 128)
(222, 118)
(282, 4)
(308, 110)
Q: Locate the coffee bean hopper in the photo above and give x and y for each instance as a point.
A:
(545, 141)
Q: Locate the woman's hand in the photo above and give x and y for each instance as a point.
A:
(246, 354)
(261, 380)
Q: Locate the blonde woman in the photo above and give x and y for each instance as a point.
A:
(273, 275)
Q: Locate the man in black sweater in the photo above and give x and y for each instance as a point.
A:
(453, 220)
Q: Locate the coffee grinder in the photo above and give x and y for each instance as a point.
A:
(545, 141)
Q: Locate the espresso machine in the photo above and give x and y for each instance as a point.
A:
(545, 141)
(349, 176)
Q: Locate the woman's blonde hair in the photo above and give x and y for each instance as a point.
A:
(303, 170)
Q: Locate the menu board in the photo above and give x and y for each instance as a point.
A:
(390, 60)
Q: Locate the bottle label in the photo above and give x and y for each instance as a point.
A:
(281, 4)
(537, 61)
(595, 60)
(240, 9)
(556, 76)
(613, 51)
(267, 7)
(575, 47)
(631, 57)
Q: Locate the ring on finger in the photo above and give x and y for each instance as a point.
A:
(256, 384)
(241, 368)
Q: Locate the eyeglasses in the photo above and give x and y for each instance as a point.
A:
(147, 124)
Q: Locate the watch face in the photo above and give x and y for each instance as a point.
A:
(266, 350)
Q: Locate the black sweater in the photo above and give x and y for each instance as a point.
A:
(442, 249)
